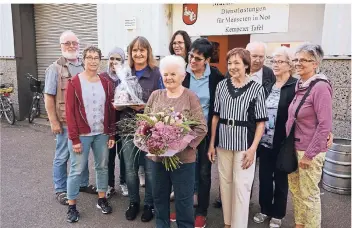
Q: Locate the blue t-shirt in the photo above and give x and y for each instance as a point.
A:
(139, 73)
(201, 88)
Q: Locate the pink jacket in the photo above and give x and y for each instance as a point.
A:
(314, 119)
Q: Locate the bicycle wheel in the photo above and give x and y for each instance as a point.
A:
(9, 111)
(33, 111)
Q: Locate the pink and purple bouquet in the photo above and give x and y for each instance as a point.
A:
(164, 134)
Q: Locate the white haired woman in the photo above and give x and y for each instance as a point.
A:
(281, 92)
(173, 72)
(312, 127)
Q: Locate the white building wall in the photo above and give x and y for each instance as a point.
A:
(153, 21)
(305, 24)
(336, 39)
(7, 48)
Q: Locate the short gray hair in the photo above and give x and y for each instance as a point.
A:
(250, 46)
(65, 33)
(314, 50)
(173, 59)
(288, 54)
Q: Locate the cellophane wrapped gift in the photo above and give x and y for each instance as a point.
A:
(129, 91)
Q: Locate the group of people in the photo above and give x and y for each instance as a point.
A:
(242, 115)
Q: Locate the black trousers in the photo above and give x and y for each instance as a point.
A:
(204, 172)
(111, 165)
(273, 185)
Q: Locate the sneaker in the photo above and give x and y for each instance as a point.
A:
(148, 213)
(103, 204)
(275, 223)
(124, 189)
(61, 197)
(259, 217)
(173, 217)
(132, 211)
(200, 222)
(111, 191)
(72, 215)
(141, 176)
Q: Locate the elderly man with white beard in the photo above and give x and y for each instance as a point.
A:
(56, 78)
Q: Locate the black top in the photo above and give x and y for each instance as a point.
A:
(268, 79)
(287, 94)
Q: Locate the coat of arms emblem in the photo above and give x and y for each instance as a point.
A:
(190, 13)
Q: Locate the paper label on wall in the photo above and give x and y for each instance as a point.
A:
(130, 23)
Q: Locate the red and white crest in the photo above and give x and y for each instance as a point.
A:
(189, 13)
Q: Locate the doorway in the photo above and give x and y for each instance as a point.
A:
(222, 44)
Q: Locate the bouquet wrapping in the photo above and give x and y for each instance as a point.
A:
(129, 91)
(164, 134)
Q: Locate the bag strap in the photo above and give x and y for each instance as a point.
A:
(306, 95)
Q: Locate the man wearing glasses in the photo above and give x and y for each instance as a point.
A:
(56, 78)
(260, 73)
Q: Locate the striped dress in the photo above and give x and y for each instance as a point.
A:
(239, 110)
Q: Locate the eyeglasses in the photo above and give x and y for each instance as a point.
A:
(260, 57)
(278, 62)
(90, 58)
(179, 43)
(69, 43)
(302, 60)
(196, 58)
(117, 59)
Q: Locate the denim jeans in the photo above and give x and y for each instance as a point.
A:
(62, 155)
(99, 146)
(132, 156)
(182, 180)
(203, 171)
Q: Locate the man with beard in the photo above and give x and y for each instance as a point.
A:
(56, 78)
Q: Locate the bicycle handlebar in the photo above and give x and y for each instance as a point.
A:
(29, 76)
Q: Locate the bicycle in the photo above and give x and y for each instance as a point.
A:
(6, 107)
(37, 88)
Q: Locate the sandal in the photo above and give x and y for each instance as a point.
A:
(61, 197)
(89, 189)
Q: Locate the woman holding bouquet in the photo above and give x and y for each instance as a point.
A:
(182, 179)
(180, 44)
(143, 66)
(240, 109)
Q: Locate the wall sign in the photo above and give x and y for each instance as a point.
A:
(229, 19)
